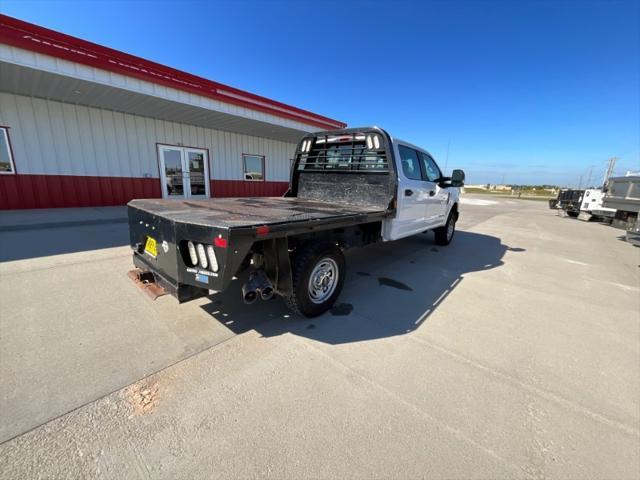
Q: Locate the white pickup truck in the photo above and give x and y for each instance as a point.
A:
(348, 188)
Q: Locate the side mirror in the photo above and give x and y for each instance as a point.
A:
(457, 178)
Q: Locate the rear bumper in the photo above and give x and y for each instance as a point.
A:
(170, 264)
(181, 291)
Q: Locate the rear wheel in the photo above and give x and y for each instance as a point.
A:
(318, 273)
(445, 234)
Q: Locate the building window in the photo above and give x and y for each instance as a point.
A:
(6, 156)
(253, 167)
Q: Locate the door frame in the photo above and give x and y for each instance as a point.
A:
(407, 223)
(185, 170)
(207, 183)
(436, 204)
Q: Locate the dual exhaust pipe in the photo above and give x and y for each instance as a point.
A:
(258, 285)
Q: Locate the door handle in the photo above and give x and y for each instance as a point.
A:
(432, 193)
(408, 193)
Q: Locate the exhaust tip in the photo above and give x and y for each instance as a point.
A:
(257, 286)
(250, 297)
(266, 293)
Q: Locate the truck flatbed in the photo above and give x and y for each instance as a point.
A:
(251, 212)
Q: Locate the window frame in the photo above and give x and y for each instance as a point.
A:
(424, 167)
(244, 167)
(420, 167)
(12, 163)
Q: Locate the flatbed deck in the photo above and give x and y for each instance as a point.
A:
(256, 211)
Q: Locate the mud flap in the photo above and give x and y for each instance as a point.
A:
(278, 265)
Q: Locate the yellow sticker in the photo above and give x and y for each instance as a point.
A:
(151, 247)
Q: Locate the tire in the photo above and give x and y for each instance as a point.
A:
(325, 263)
(445, 234)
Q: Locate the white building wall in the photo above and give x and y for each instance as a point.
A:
(55, 138)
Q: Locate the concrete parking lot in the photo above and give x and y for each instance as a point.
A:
(512, 353)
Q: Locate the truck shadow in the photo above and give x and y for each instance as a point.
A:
(391, 289)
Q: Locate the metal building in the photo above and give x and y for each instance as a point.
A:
(86, 125)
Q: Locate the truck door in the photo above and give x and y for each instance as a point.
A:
(438, 197)
(413, 196)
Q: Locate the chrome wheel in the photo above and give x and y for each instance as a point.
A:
(323, 280)
(451, 225)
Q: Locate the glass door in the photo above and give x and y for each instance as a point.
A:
(184, 172)
(198, 174)
(172, 172)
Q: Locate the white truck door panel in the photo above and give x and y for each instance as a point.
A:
(413, 196)
(439, 197)
(438, 208)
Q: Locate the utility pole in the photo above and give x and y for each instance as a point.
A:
(580, 183)
(609, 172)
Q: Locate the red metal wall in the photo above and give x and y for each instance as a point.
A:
(240, 188)
(54, 191)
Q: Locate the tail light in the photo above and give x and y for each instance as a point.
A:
(212, 258)
(193, 255)
(220, 242)
(201, 256)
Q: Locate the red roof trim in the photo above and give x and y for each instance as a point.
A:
(49, 42)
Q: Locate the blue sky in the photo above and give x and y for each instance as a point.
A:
(522, 91)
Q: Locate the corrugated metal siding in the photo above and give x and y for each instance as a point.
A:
(55, 138)
(238, 188)
(52, 191)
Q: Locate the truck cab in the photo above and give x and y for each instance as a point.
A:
(370, 167)
(424, 198)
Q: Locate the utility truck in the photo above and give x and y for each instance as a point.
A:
(623, 196)
(592, 206)
(348, 188)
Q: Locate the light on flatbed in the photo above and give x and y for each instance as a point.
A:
(201, 256)
(220, 242)
(212, 258)
(193, 255)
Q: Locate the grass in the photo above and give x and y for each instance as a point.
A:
(540, 195)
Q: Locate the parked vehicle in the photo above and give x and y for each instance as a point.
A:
(633, 233)
(569, 201)
(623, 195)
(592, 205)
(348, 188)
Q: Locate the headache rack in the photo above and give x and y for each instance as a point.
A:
(346, 152)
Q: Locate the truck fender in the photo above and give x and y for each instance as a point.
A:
(454, 210)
